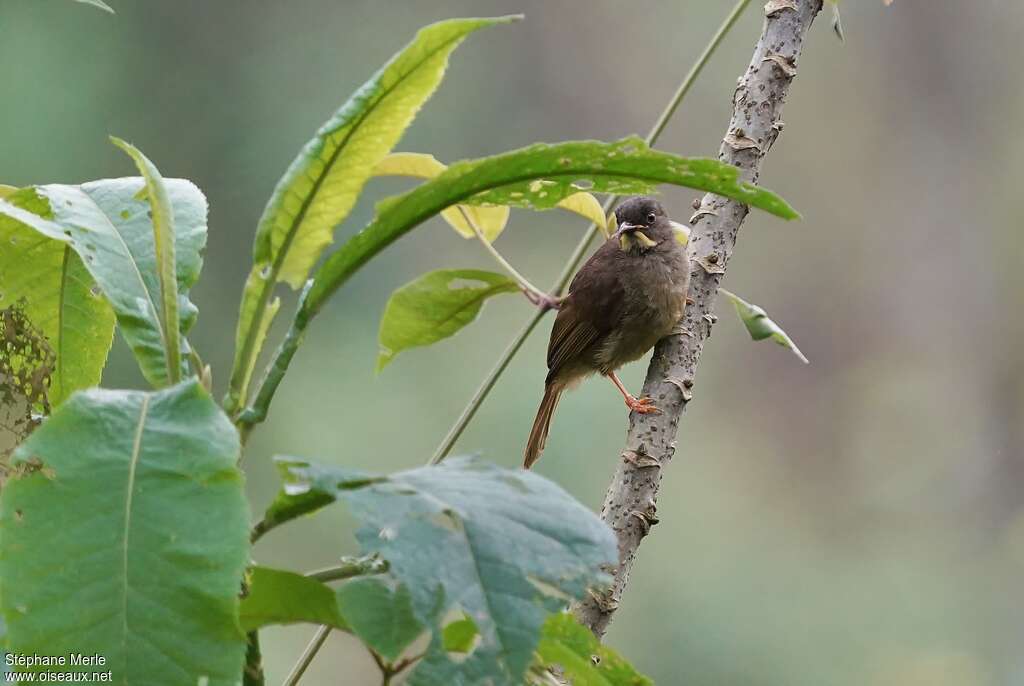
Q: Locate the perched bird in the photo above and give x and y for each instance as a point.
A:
(629, 295)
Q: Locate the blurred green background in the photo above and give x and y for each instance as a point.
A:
(856, 521)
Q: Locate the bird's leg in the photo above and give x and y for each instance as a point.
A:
(638, 405)
(542, 300)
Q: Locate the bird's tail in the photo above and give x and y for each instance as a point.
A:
(541, 424)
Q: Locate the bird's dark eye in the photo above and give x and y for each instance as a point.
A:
(651, 218)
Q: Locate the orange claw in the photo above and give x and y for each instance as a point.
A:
(642, 405)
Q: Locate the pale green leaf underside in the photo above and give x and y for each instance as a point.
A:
(48, 280)
(108, 225)
(539, 176)
(162, 216)
(126, 531)
(505, 546)
(759, 326)
(564, 642)
(435, 306)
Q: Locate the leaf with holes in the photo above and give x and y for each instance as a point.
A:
(26, 365)
(435, 306)
(140, 505)
(582, 658)
(47, 280)
(759, 326)
(505, 546)
(107, 224)
(539, 177)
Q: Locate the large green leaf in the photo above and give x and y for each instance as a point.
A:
(322, 184)
(582, 658)
(107, 224)
(277, 596)
(47, 280)
(162, 215)
(435, 306)
(759, 326)
(505, 546)
(124, 532)
(539, 176)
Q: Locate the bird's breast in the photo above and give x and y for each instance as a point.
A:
(655, 288)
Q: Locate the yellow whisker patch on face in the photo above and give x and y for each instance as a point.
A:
(643, 240)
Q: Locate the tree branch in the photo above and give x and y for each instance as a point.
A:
(630, 505)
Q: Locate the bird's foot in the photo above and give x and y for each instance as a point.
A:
(544, 301)
(642, 405)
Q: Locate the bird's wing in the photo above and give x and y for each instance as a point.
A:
(591, 310)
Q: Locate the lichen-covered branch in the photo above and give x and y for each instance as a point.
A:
(630, 505)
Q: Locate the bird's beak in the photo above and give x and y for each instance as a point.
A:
(682, 232)
(626, 227)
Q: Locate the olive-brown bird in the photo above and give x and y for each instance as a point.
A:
(628, 296)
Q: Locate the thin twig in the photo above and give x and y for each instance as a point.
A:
(630, 506)
(307, 656)
(534, 294)
(351, 567)
(581, 248)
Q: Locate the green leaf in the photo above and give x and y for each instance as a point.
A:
(98, 3)
(6, 190)
(435, 306)
(107, 224)
(460, 635)
(280, 597)
(585, 205)
(566, 643)
(322, 184)
(380, 614)
(48, 281)
(490, 219)
(759, 326)
(539, 176)
(163, 241)
(504, 546)
(125, 518)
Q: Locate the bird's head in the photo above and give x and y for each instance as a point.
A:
(642, 224)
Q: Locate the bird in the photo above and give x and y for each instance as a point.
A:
(630, 294)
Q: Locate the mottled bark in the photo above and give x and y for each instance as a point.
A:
(630, 505)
